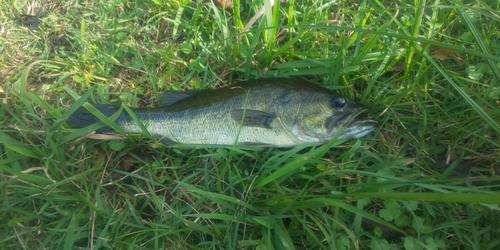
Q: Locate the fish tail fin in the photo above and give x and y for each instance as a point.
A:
(83, 118)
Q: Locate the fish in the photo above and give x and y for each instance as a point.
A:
(279, 112)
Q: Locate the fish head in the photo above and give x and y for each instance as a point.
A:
(319, 117)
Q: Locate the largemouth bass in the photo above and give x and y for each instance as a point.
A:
(269, 112)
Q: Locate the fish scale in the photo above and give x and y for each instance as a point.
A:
(268, 112)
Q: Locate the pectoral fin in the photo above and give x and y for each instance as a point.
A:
(253, 118)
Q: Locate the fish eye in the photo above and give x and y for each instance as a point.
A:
(338, 102)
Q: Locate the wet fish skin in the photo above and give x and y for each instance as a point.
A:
(268, 112)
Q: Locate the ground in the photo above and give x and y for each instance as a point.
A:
(429, 71)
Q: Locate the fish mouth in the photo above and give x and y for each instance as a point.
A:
(360, 116)
(356, 123)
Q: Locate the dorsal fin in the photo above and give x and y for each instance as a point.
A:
(171, 97)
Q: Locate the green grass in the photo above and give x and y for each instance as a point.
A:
(427, 179)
